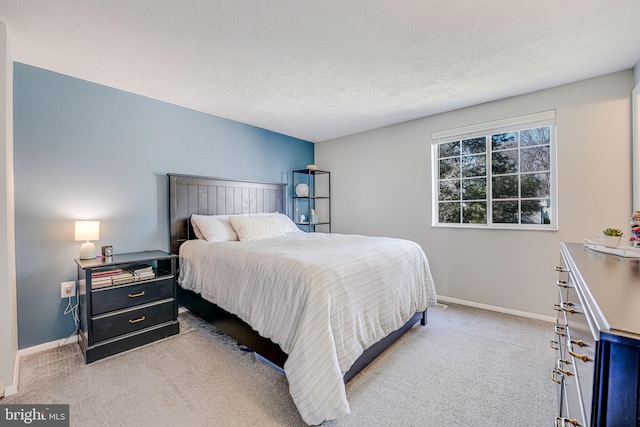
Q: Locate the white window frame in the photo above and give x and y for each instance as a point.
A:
(529, 121)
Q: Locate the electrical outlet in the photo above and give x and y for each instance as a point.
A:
(67, 289)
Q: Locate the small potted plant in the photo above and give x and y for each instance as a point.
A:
(612, 236)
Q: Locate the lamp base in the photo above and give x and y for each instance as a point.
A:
(87, 251)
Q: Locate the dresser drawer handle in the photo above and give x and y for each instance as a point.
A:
(582, 357)
(562, 284)
(139, 319)
(552, 343)
(563, 372)
(139, 294)
(553, 377)
(578, 343)
(564, 422)
(561, 307)
(561, 269)
(557, 330)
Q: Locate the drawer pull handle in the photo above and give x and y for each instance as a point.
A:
(553, 378)
(561, 269)
(564, 422)
(552, 344)
(557, 330)
(562, 284)
(563, 372)
(582, 357)
(561, 307)
(139, 319)
(579, 343)
(139, 294)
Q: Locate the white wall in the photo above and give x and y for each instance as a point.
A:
(381, 185)
(8, 316)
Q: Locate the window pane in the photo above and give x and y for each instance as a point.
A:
(474, 213)
(535, 185)
(474, 146)
(474, 166)
(535, 211)
(450, 168)
(450, 149)
(504, 162)
(449, 190)
(504, 187)
(503, 141)
(535, 159)
(474, 189)
(536, 136)
(449, 212)
(505, 212)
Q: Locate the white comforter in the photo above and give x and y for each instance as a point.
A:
(324, 298)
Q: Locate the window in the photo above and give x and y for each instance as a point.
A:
(499, 174)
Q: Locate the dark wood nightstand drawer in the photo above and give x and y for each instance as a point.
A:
(112, 299)
(120, 323)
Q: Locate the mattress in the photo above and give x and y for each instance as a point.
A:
(324, 298)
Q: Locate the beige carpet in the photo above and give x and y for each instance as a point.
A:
(468, 367)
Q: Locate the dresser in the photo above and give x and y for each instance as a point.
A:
(125, 301)
(597, 338)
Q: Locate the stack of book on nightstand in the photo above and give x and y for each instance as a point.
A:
(100, 279)
(142, 272)
(118, 276)
(122, 278)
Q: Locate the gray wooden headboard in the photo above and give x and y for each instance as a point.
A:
(203, 195)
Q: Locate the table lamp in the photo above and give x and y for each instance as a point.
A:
(87, 230)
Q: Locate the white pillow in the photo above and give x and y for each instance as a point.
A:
(256, 228)
(285, 222)
(288, 226)
(214, 228)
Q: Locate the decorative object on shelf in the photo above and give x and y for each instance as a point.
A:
(107, 251)
(312, 167)
(87, 230)
(635, 229)
(612, 236)
(302, 218)
(302, 190)
(314, 217)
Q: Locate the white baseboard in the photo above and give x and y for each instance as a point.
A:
(496, 308)
(47, 346)
(13, 388)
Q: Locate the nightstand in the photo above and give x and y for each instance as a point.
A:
(126, 301)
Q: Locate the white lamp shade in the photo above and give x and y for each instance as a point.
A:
(87, 230)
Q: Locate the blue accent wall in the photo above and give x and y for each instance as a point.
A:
(86, 151)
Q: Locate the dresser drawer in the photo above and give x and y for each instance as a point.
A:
(573, 407)
(581, 350)
(126, 321)
(112, 299)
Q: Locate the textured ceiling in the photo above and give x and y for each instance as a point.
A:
(318, 70)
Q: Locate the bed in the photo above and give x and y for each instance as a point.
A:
(309, 333)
